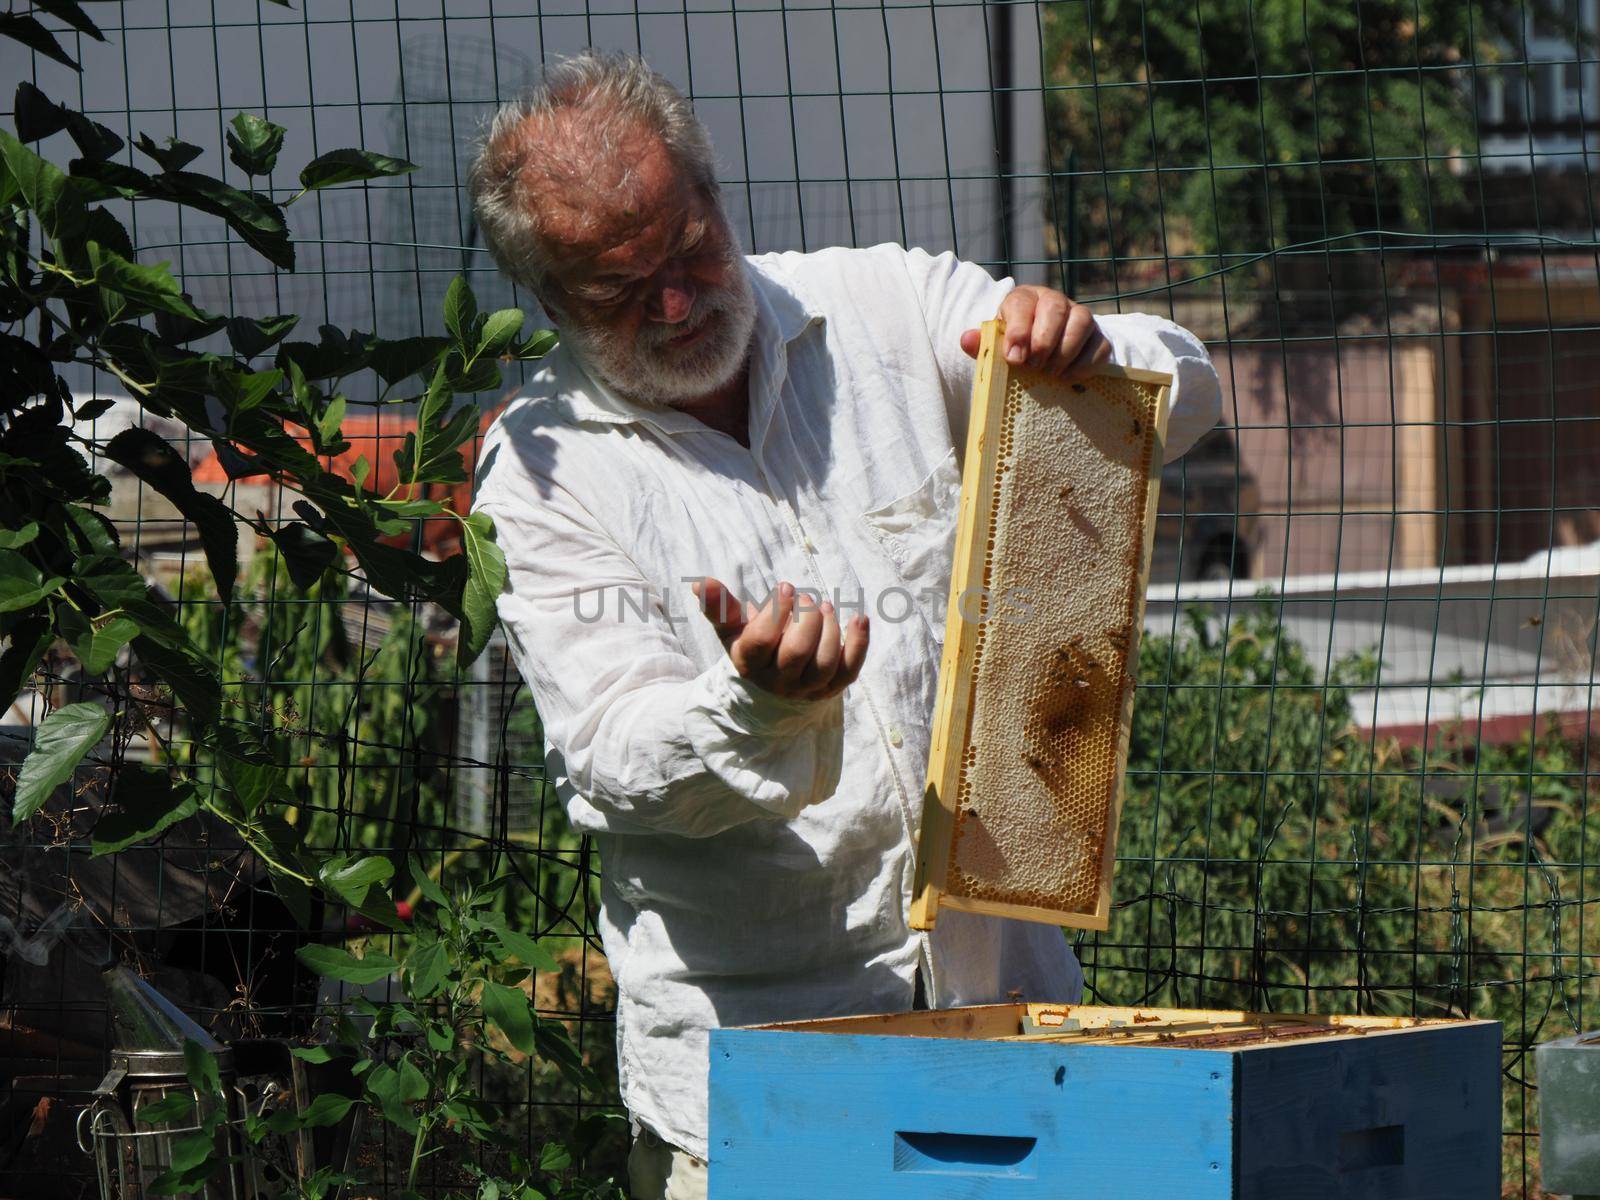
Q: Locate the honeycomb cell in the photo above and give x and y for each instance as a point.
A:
(1054, 661)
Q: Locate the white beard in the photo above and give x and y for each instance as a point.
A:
(651, 372)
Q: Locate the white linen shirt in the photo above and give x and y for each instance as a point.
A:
(757, 852)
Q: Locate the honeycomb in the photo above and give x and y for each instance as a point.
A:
(1056, 645)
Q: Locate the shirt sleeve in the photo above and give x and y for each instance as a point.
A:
(639, 738)
(956, 296)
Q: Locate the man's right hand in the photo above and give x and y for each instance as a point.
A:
(791, 646)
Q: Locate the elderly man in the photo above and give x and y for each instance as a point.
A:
(727, 471)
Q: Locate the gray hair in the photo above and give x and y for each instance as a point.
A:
(623, 96)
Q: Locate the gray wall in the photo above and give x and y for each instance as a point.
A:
(842, 124)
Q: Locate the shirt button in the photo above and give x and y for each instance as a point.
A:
(895, 739)
(808, 545)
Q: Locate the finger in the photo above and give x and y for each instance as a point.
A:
(1080, 331)
(1051, 321)
(855, 654)
(755, 647)
(799, 645)
(970, 341)
(1017, 312)
(721, 608)
(830, 649)
(1096, 352)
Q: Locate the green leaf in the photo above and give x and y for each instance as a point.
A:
(350, 881)
(115, 583)
(25, 647)
(64, 737)
(149, 287)
(46, 190)
(13, 539)
(36, 116)
(427, 966)
(179, 330)
(154, 462)
(383, 1082)
(200, 1065)
(25, 370)
(97, 142)
(351, 166)
(425, 883)
(312, 1054)
(241, 391)
(539, 343)
(333, 355)
(521, 946)
(36, 37)
(460, 310)
(430, 454)
(306, 553)
(174, 1106)
(556, 1047)
(248, 767)
(335, 963)
(148, 803)
(249, 336)
(95, 641)
(486, 579)
(510, 1010)
(328, 1108)
(296, 897)
(253, 143)
(23, 585)
(413, 1084)
(484, 376)
(554, 1157)
(72, 14)
(254, 217)
(93, 531)
(192, 1159)
(171, 155)
(500, 330)
(193, 680)
(331, 420)
(405, 357)
(396, 573)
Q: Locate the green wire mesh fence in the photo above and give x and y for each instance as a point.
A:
(1361, 773)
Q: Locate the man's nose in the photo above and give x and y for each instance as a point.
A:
(674, 297)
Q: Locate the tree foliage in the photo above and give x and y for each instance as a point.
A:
(1238, 129)
(75, 294)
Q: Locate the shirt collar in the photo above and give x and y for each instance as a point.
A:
(782, 316)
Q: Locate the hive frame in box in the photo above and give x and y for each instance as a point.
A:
(948, 760)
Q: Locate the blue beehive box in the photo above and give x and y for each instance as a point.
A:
(1027, 1101)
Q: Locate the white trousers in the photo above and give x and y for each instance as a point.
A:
(658, 1170)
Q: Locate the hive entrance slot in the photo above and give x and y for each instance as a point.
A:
(964, 1154)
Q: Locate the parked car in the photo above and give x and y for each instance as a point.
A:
(1207, 525)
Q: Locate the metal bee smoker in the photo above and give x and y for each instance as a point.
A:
(134, 1143)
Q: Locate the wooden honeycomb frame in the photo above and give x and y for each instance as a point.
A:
(1020, 816)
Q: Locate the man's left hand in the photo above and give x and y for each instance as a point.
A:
(1048, 332)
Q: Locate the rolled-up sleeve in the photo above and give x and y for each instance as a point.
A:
(957, 296)
(638, 736)
(1157, 344)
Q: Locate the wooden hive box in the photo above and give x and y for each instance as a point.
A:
(1030, 730)
(1081, 1102)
